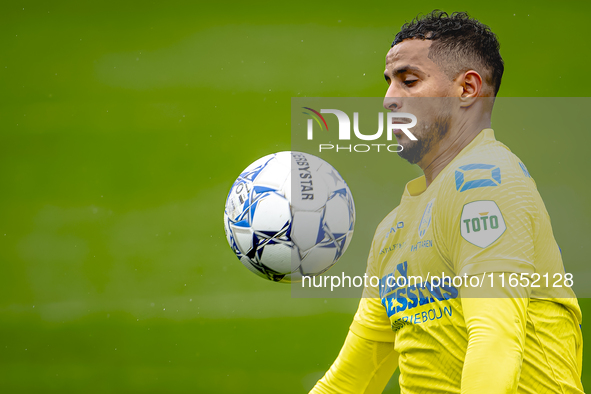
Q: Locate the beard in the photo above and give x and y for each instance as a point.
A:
(427, 138)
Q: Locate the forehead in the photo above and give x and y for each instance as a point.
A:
(414, 52)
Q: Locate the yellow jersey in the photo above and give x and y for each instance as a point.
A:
(481, 215)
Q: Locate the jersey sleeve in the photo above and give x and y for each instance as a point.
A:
(362, 366)
(367, 359)
(371, 320)
(496, 336)
(488, 214)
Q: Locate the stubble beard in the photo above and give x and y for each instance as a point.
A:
(414, 151)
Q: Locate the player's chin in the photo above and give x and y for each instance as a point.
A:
(404, 141)
(410, 151)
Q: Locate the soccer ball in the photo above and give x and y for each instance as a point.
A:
(288, 215)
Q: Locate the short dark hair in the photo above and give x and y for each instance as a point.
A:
(460, 43)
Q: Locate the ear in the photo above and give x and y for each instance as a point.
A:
(470, 83)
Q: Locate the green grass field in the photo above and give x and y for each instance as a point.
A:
(122, 128)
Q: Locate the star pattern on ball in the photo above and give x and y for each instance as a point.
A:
(334, 176)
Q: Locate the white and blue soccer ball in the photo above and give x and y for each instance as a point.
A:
(289, 214)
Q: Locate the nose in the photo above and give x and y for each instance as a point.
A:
(392, 103)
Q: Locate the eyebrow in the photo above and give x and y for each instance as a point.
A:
(402, 70)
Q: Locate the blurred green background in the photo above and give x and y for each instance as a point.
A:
(123, 125)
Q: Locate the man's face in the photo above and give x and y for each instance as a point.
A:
(414, 80)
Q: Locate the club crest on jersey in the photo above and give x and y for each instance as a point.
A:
(426, 219)
(482, 223)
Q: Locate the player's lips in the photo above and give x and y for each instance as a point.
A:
(396, 131)
(401, 121)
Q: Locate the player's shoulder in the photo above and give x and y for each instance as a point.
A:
(487, 165)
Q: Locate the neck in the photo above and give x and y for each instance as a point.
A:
(449, 147)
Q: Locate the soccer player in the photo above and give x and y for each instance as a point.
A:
(475, 214)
